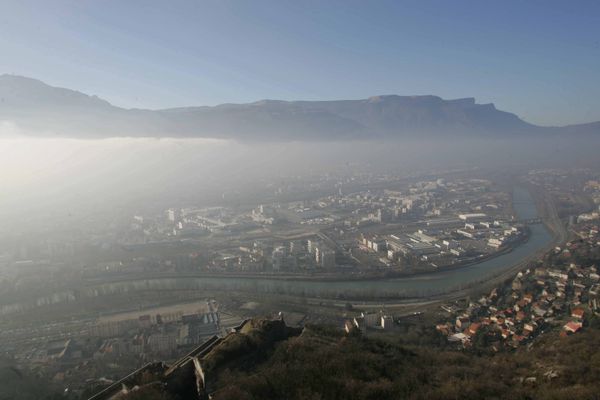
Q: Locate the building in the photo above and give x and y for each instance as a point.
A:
(328, 258)
(378, 245)
(578, 313)
(572, 327)
(278, 258)
(163, 342)
(472, 217)
(173, 215)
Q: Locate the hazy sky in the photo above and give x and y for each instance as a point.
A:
(539, 59)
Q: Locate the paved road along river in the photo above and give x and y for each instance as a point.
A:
(418, 285)
(414, 286)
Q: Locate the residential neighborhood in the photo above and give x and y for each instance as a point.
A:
(557, 292)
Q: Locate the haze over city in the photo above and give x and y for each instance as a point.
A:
(299, 200)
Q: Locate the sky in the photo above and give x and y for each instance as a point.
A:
(538, 58)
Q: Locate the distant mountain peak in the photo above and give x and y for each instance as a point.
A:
(37, 107)
(21, 92)
(18, 79)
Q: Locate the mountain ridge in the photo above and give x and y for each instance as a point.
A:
(41, 110)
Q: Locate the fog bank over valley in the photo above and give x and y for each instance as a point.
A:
(58, 176)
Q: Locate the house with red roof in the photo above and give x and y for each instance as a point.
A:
(572, 326)
(578, 313)
(473, 328)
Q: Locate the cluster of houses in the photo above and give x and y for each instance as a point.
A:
(536, 300)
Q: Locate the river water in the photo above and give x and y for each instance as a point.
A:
(418, 285)
(413, 286)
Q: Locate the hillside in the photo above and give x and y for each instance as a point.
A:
(322, 363)
(266, 360)
(41, 110)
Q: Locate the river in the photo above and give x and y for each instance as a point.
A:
(414, 286)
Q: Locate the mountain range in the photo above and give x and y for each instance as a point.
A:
(42, 110)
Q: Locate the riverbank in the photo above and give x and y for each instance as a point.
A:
(319, 276)
(422, 286)
(546, 210)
